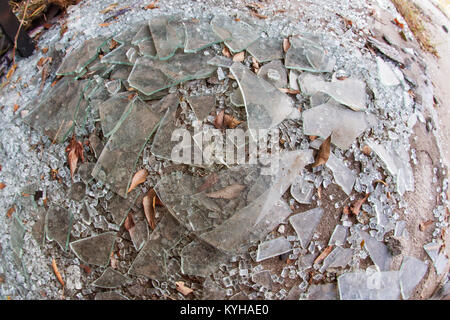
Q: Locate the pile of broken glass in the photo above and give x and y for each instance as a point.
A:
(129, 82)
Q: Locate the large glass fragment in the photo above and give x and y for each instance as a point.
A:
(202, 105)
(265, 105)
(339, 236)
(121, 72)
(369, 286)
(110, 279)
(338, 258)
(220, 61)
(241, 32)
(412, 271)
(273, 248)
(201, 259)
(139, 234)
(275, 73)
(387, 50)
(437, 256)
(308, 55)
(211, 291)
(117, 162)
(302, 190)
(266, 49)
(326, 291)
(199, 35)
(119, 55)
(378, 252)
(60, 110)
(305, 223)
(112, 110)
(148, 78)
(343, 176)
(263, 278)
(80, 57)
(343, 124)
(166, 36)
(236, 98)
(95, 250)
(58, 223)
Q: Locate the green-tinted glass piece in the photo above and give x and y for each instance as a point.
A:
(202, 105)
(275, 73)
(266, 49)
(236, 98)
(142, 35)
(58, 224)
(147, 48)
(95, 250)
(199, 35)
(119, 55)
(166, 36)
(112, 110)
(121, 72)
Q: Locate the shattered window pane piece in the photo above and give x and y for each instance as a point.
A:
(345, 125)
(121, 72)
(118, 55)
(147, 48)
(438, 258)
(221, 61)
(263, 278)
(308, 55)
(378, 252)
(17, 233)
(339, 236)
(110, 295)
(119, 208)
(265, 105)
(202, 105)
(387, 50)
(112, 110)
(302, 190)
(323, 292)
(95, 250)
(236, 98)
(343, 176)
(412, 271)
(166, 37)
(338, 258)
(142, 35)
(199, 35)
(117, 161)
(61, 108)
(369, 286)
(386, 74)
(273, 248)
(266, 49)
(242, 33)
(201, 259)
(211, 291)
(58, 223)
(110, 279)
(128, 33)
(275, 73)
(80, 57)
(305, 223)
(139, 234)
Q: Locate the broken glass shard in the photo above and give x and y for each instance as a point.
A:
(338, 258)
(166, 36)
(139, 234)
(121, 72)
(202, 105)
(119, 55)
(211, 291)
(266, 49)
(386, 74)
(263, 278)
(305, 223)
(308, 55)
(241, 32)
(128, 33)
(17, 233)
(147, 48)
(302, 190)
(119, 208)
(275, 73)
(58, 223)
(273, 248)
(221, 61)
(412, 271)
(387, 50)
(322, 292)
(38, 230)
(117, 162)
(95, 250)
(378, 252)
(236, 98)
(60, 110)
(343, 176)
(142, 35)
(437, 256)
(343, 124)
(199, 35)
(112, 110)
(265, 105)
(369, 286)
(110, 279)
(339, 236)
(80, 57)
(113, 86)
(201, 259)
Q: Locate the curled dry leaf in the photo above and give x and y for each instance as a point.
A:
(366, 150)
(218, 121)
(324, 254)
(239, 57)
(57, 273)
(286, 44)
(10, 211)
(424, 225)
(151, 6)
(129, 222)
(2, 185)
(230, 121)
(259, 15)
(226, 52)
(149, 203)
(356, 206)
(229, 192)
(182, 288)
(211, 180)
(75, 152)
(138, 178)
(16, 107)
(324, 153)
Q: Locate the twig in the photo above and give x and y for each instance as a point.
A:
(18, 31)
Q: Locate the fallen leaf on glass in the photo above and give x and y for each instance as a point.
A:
(286, 45)
(138, 178)
(2, 185)
(218, 121)
(10, 212)
(75, 153)
(129, 222)
(149, 203)
(324, 153)
(230, 121)
(229, 192)
(11, 71)
(356, 206)
(226, 52)
(290, 91)
(239, 57)
(182, 288)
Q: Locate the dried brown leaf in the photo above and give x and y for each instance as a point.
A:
(86, 268)
(239, 57)
(324, 254)
(138, 178)
(312, 138)
(104, 24)
(218, 121)
(362, 244)
(2, 185)
(182, 288)
(57, 273)
(16, 107)
(151, 6)
(366, 150)
(226, 52)
(11, 71)
(75, 153)
(258, 15)
(424, 225)
(129, 222)
(230, 121)
(149, 203)
(286, 44)
(324, 153)
(211, 180)
(10, 211)
(229, 192)
(356, 206)
(45, 50)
